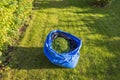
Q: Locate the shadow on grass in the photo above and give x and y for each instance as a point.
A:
(43, 4)
(30, 58)
(106, 65)
(105, 25)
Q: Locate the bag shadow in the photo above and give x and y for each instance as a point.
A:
(30, 58)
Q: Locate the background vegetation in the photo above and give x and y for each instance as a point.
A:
(101, 3)
(13, 14)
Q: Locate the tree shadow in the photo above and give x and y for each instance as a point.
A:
(43, 4)
(106, 65)
(103, 21)
(30, 58)
(104, 25)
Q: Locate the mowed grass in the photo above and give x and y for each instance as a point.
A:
(99, 29)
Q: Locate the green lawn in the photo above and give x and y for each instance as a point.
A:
(99, 29)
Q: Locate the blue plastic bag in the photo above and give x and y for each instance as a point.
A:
(69, 59)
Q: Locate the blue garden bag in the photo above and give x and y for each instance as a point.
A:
(69, 59)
